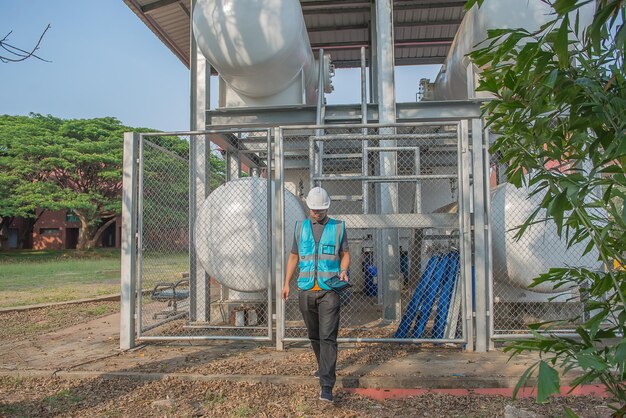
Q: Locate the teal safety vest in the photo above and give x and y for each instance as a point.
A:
(321, 261)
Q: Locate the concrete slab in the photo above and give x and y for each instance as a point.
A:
(91, 349)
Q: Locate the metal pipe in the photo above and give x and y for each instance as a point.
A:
(167, 152)
(444, 42)
(387, 136)
(384, 179)
(480, 278)
(165, 321)
(386, 340)
(224, 327)
(522, 336)
(465, 230)
(202, 337)
(271, 268)
(128, 272)
(319, 117)
(279, 238)
(140, 199)
(312, 166)
(225, 129)
(418, 185)
(489, 242)
(394, 149)
(364, 145)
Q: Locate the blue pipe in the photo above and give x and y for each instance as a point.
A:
(416, 300)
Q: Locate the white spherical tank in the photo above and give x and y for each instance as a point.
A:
(231, 233)
(538, 250)
(257, 46)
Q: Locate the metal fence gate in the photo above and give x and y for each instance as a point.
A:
(397, 188)
(204, 273)
(200, 273)
(517, 262)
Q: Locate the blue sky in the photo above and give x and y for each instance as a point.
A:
(106, 62)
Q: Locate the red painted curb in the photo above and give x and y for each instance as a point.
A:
(527, 392)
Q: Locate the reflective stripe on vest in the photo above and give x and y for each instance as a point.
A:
(326, 252)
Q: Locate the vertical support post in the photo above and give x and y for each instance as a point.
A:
(365, 143)
(233, 165)
(391, 285)
(129, 241)
(480, 256)
(466, 234)
(312, 163)
(318, 157)
(278, 238)
(488, 240)
(418, 183)
(482, 188)
(373, 53)
(200, 71)
(271, 251)
(385, 62)
(233, 168)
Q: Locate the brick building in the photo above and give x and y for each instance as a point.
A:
(55, 230)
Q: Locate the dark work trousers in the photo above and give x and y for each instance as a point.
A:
(320, 310)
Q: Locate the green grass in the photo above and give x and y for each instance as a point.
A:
(62, 402)
(33, 277)
(26, 256)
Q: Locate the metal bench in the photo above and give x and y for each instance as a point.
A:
(172, 293)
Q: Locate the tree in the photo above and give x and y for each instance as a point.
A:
(76, 165)
(14, 54)
(559, 108)
(50, 163)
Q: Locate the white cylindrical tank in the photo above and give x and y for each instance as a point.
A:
(538, 250)
(451, 83)
(257, 46)
(231, 233)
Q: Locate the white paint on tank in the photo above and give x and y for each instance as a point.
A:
(231, 233)
(539, 250)
(257, 46)
(451, 83)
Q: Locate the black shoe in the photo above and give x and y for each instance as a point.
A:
(326, 394)
(316, 374)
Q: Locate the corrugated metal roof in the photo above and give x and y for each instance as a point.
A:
(423, 29)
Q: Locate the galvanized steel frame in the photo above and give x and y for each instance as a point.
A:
(131, 251)
(463, 176)
(137, 318)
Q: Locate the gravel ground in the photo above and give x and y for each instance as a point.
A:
(22, 325)
(40, 397)
(358, 358)
(173, 398)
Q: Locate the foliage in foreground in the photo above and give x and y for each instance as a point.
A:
(559, 109)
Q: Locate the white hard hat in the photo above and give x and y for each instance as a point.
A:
(318, 199)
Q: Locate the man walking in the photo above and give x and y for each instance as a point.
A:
(320, 250)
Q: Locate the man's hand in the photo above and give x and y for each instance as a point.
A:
(343, 275)
(285, 292)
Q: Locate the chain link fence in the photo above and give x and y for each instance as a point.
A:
(204, 269)
(396, 188)
(517, 262)
(207, 269)
(210, 269)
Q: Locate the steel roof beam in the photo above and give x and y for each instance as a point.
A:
(324, 9)
(157, 5)
(354, 63)
(398, 44)
(420, 24)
